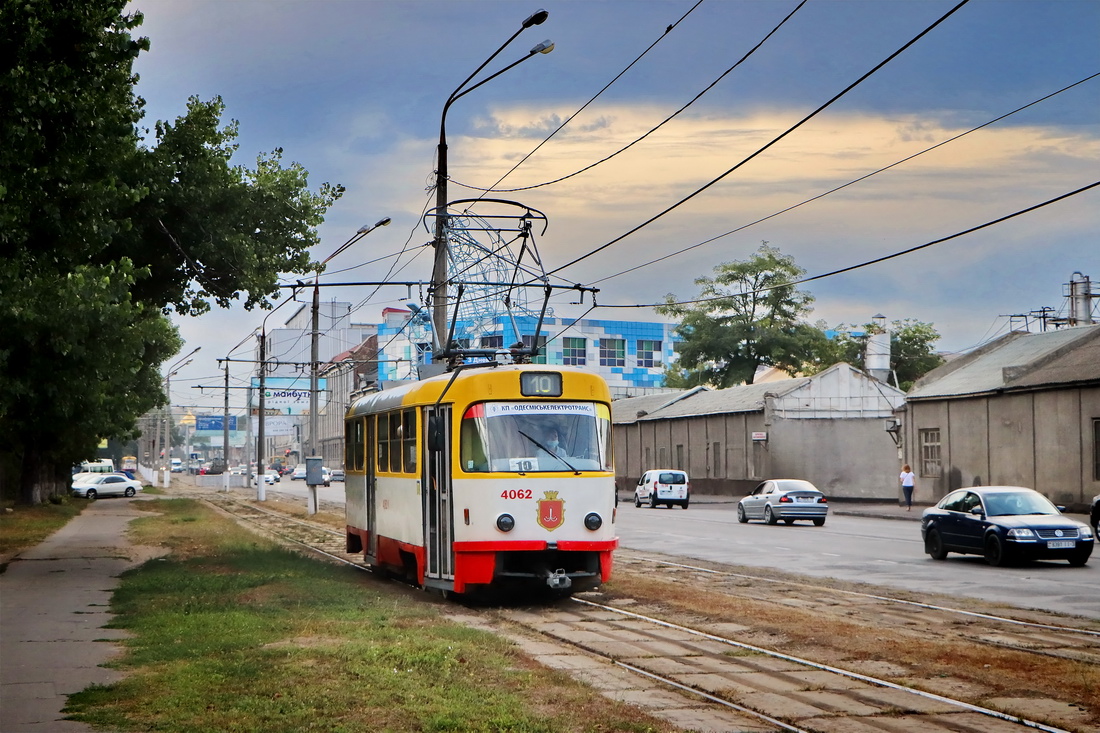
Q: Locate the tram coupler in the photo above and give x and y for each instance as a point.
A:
(558, 580)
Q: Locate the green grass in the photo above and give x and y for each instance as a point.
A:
(26, 526)
(231, 633)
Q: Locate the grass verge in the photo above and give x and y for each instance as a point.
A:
(233, 633)
(26, 526)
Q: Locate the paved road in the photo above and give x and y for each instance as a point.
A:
(869, 549)
(884, 552)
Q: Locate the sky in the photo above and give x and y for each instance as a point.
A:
(354, 91)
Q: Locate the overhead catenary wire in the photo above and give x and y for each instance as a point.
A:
(582, 108)
(662, 123)
(867, 263)
(845, 185)
(775, 140)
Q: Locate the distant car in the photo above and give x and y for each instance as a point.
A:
(663, 486)
(1005, 524)
(336, 474)
(1094, 517)
(271, 478)
(299, 473)
(787, 499)
(93, 486)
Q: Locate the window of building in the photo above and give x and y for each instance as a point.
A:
(680, 457)
(930, 462)
(528, 341)
(662, 455)
(574, 351)
(492, 342)
(612, 352)
(649, 353)
(1096, 450)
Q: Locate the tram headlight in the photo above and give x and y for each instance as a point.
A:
(506, 522)
(593, 521)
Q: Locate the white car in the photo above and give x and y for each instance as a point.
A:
(663, 486)
(299, 473)
(271, 478)
(93, 486)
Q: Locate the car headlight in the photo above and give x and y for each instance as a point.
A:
(1085, 533)
(1021, 534)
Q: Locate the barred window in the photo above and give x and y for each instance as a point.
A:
(574, 351)
(930, 462)
(612, 352)
(649, 353)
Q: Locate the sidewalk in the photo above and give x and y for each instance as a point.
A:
(53, 605)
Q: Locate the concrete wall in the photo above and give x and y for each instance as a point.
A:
(851, 458)
(847, 458)
(1042, 440)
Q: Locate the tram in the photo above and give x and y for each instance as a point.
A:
(493, 477)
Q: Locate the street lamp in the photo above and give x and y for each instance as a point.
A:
(311, 485)
(172, 371)
(439, 269)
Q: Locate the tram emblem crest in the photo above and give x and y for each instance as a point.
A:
(551, 510)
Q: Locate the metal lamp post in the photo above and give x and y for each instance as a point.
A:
(166, 420)
(312, 478)
(439, 268)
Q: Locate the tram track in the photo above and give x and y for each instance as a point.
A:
(742, 685)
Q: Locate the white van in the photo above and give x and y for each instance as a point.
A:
(177, 465)
(103, 466)
(663, 486)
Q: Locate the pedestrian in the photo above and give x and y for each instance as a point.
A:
(907, 480)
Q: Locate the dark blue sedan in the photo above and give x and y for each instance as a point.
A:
(1005, 524)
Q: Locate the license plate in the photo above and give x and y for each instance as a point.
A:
(1060, 544)
(805, 499)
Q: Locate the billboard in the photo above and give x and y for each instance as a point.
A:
(214, 423)
(290, 395)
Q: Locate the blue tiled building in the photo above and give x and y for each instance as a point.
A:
(630, 355)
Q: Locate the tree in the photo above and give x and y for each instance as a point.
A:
(103, 234)
(746, 317)
(911, 349)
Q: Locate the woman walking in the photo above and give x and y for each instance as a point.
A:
(907, 480)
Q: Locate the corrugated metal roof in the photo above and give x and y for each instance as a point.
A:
(1018, 361)
(744, 398)
(625, 411)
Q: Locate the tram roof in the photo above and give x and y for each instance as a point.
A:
(427, 391)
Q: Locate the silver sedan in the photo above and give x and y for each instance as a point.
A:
(786, 499)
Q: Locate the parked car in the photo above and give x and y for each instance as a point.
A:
(1094, 517)
(337, 474)
(1005, 524)
(663, 486)
(787, 499)
(93, 486)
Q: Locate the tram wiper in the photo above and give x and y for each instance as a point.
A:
(550, 452)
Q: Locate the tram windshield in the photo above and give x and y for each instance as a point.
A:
(525, 437)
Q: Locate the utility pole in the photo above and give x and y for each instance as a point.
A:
(225, 433)
(261, 489)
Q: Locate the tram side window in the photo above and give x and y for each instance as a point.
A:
(408, 439)
(355, 445)
(383, 433)
(397, 441)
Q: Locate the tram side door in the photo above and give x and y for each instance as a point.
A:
(371, 489)
(438, 519)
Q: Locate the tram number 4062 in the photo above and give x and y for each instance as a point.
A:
(516, 494)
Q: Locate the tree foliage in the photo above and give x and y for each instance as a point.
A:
(912, 344)
(103, 234)
(745, 317)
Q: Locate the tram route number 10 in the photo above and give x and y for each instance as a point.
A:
(540, 384)
(516, 494)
